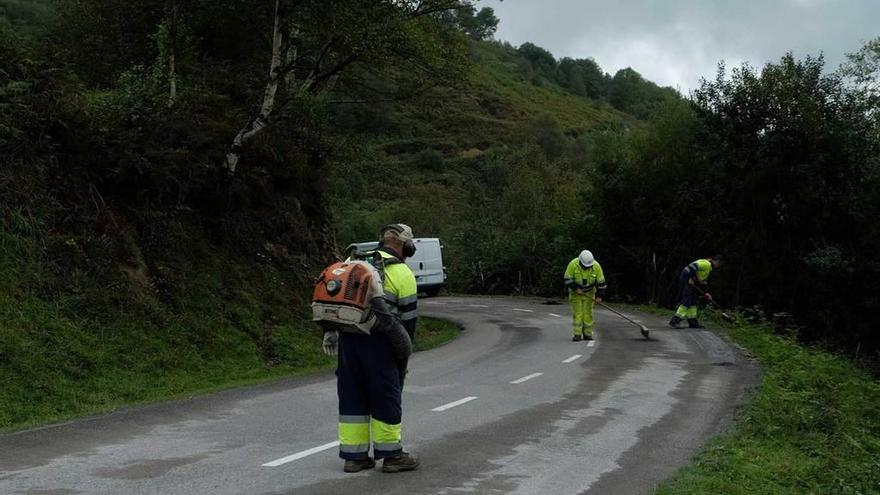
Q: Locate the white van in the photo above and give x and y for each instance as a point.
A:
(426, 265)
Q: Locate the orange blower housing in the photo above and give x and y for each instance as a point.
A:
(342, 295)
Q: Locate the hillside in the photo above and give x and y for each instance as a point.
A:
(489, 166)
(140, 261)
(132, 274)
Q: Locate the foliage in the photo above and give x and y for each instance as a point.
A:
(627, 91)
(478, 25)
(515, 168)
(133, 270)
(813, 427)
(432, 333)
(863, 67)
(776, 169)
(116, 214)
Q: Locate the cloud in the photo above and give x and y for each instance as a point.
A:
(676, 42)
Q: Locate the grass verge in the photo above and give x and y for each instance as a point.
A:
(105, 392)
(111, 389)
(812, 427)
(432, 333)
(90, 349)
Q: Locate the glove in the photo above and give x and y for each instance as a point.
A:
(599, 299)
(331, 343)
(708, 296)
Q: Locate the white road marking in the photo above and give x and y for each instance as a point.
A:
(454, 404)
(555, 315)
(300, 455)
(573, 358)
(526, 378)
(478, 305)
(591, 343)
(523, 310)
(435, 302)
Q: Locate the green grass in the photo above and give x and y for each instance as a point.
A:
(57, 367)
(813, 427)
(57, 396)
(433, 333)
(78, 340)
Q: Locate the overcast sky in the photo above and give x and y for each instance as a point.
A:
(676, 42)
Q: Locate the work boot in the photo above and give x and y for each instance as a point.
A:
(404, 462)
(675, 322)
(576, 338)
(588, 336)
(358, 465)
(694, 323)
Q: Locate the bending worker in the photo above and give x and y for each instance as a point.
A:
(693, 282)
(585, 282)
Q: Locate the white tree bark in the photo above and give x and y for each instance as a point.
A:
(257, 124)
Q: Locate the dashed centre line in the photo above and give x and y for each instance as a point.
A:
(300, 455)
(591, 343)
(454, 404)
(555, 315)
(478, 305)
(573, 358)
(523, 310)
(526, 378)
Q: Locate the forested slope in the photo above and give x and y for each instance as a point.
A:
(138, 264)
(775, 167)
(173, 174)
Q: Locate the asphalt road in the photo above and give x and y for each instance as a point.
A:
(512, 406)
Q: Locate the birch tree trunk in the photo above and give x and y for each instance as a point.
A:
(257, 124)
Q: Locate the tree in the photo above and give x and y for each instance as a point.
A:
(630, 92)
(582, 77)
(486, 24)
(864, 65)
(777, 168)
(542, 62)
(103, 38)
(863, 68)
(312, 46)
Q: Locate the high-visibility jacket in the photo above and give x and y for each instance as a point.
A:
(699, 270)
(401, 291)
(578, 277)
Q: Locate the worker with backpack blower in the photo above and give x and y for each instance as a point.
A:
(585, 282)
(367, 308)
(692, 282)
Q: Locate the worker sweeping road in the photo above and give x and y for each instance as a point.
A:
(693, 281)
(585, 282)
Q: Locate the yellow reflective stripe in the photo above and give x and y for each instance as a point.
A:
(384, 432)
(354, 433)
